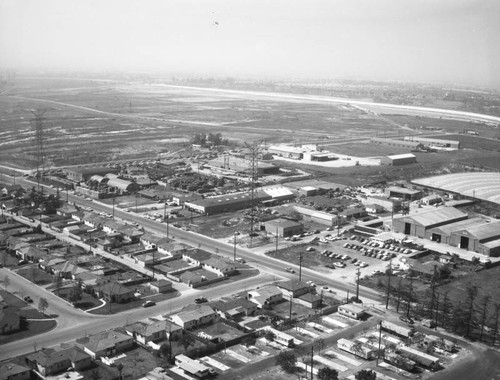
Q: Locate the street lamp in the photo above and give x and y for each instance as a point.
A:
(234, 249)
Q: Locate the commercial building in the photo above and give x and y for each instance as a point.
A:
(399, 159)
(403, 193)
(225, 203)
(419, 224)
(434, 143)
(412, 145)
(83, 174)
(295, 153)
(284, 227)
(234, 165)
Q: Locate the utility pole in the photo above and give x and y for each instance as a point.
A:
(254, 175)
(37, 124)
(114, 207)
(357, 284)
(312, 361)
(234, 247)
(168, 220)
(388, 285)
(277, 239)
(291, 302)
(379, 340)
(300, 267)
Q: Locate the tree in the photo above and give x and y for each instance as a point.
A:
(287, 361)
(484, 312)
(57, 281)
(43, 304)
(365, 374)
(494, 326)
(95, 375)
(76, 294)
(269, 335)
(119, 367)
(319, 344)
(6, 282)
(327, 373)
(471, 292)
(165, 350)
(186, 341)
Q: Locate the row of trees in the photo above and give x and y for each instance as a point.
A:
(209, 139)
(476, 313)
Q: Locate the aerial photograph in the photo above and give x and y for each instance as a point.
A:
(249, 189)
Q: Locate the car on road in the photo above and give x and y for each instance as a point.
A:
(407, 320)
(290, 270)
(310, 249)
(200, 300)
(148, 304)
(28, 299)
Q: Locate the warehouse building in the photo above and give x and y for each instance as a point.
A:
(225, 203)
(234, 165)
(286, 151)
(117, 185)
(84, 173)
(399, 159)
(434, 143)
(284, 227)
(419, 224)
(412, 145)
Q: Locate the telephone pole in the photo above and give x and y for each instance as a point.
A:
(37, 124)
(254, 175)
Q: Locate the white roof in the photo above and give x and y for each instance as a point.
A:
(399, 156)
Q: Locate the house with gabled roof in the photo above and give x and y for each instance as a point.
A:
(219, 265)
(106, 343)
(147, 330)
(294, 288)
(235, 308)
(196, 316)
(150, 240)
(48, 361)
(14, 371)
(264, 296)
(31, 253)
(173, 248)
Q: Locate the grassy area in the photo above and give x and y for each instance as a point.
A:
(87, 301)
(35, 275)
(114, 308)
(32, 328)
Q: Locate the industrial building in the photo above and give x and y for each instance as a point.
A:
(225, 203)
(412, 145)
(235, 165)
(478, 234)
(286, 151)
(399, 159)
(84, 173)
(434, 143)
(403, 193)
(284, 227)
(320, 156)
(419, 224)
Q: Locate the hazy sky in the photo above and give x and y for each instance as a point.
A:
(410, 40)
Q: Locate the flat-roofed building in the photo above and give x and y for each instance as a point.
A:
(193, 367)
(353, 311)
(225, 203)
(403, 193)
(413, 145)
(284, 227)
(436, 142)
(80, 174)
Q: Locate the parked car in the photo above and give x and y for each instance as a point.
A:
(148, 304)
(407, 320)
(200, 300)
(290, 270)
(28, 299)
(339, 264)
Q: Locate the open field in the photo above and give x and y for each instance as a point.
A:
(91, 121)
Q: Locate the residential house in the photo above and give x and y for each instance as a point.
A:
(310, 300)
(220, 266)
(234, 309)
(160, 286)
(13, 371)
(106, 343)
(151, 241)
(31, 253)
(193, 367)
(146, 331)
(114, 292)
(294, 288)
(194, 317)
(175, 249)
(48, 361)
(265, 296)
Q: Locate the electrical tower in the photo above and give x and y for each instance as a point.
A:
(254, 175)
(37, 124)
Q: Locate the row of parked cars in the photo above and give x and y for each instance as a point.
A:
(371, 252)
(378, 244)
(341, 264)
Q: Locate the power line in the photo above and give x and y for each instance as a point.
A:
(254, 175)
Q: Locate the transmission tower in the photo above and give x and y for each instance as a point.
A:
(254, 175)
(37, 124)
